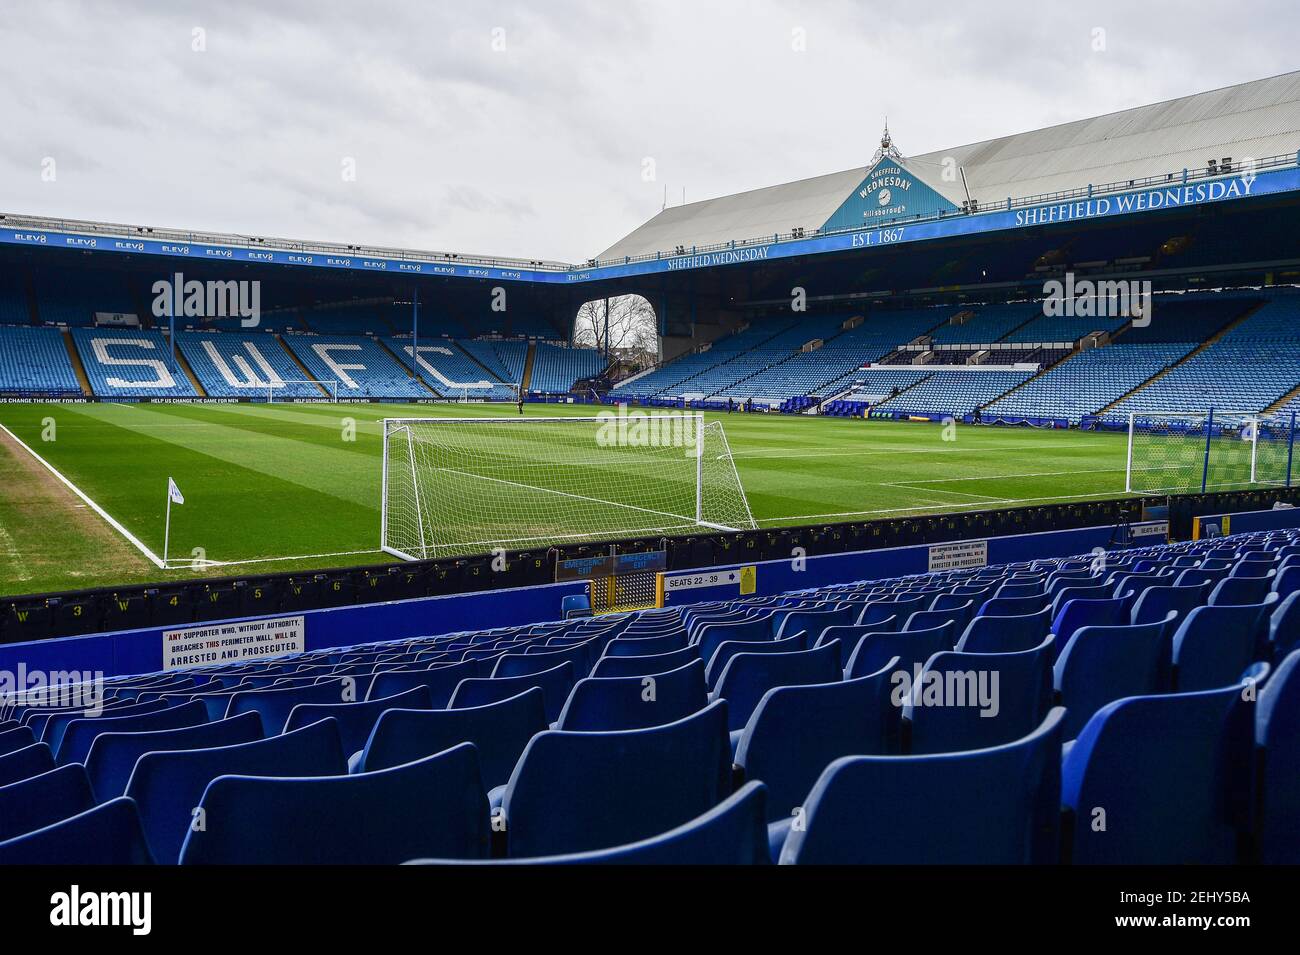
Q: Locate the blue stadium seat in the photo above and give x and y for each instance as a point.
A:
(635, 702)
(112, 756)
(708, 637)
(167, 786)
(556, 684)
(968, 701)
(796, 731)
(644, 665)
(1283, 628)
(40, 801)
(747, 676)
(28, 761)
(434, 806)
(16, 738)
(573, 792)
(1213, 645)
(990, 806)
(275, 705)
(912, 648)
(441, 680)
(1099, 665)
(1277, 741)
(1155, 601)
(731, 833)
(1151, 779)
(499, 731)
(1076, 613)
(109, 834)
(959, 614)
(1005, 634)
(526, 664)
(727, 650)
(78, 735)
(645, 646)
(356, 720)
(1233, 591)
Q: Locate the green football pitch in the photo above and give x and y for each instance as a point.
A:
(295, 486)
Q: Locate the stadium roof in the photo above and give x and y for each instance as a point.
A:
(1250, 120)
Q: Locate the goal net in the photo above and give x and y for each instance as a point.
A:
(468, 485)
(301, 388)
(1213, 451)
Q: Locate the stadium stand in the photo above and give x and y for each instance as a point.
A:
(954, 392)
(34, 361)
(1131, 697)
(556, 368)
(230, 365)
(362, 366)
(450, 372)
(122, 362)
(73, 297)
(505, 359)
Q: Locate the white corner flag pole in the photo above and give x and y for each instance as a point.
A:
(173, 494)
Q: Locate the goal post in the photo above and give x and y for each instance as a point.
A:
(328, 386)
(457, 486)
(1175, 453)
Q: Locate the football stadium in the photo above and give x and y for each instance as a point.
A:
(952, 494)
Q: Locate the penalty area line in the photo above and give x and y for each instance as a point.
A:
(112, 521)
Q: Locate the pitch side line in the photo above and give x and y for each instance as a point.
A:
(112, 521)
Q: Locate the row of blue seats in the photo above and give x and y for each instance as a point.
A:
(732, 660)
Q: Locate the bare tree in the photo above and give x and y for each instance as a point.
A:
(632, 332)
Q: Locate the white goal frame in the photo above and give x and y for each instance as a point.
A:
(330, 385)
(1213, 420)
(398, 429)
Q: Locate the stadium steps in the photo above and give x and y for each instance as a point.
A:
(306, 372)
(1188, 357)
(491, 375)
(1042, 371)
(526, 379)
(82, 379)
(189, 373)
(1284, 400)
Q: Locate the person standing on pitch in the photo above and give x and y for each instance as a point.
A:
(519, 402)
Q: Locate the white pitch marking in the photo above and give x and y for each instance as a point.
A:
(112, 521)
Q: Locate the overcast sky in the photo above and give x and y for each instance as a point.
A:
(523, 129)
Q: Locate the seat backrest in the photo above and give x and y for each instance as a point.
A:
(1240, 590)
(356, 720)
(573, 792)
(1076, 613)
(634, 702)
(1155, 602)
(16, 737)
(796, 731)
(78, 735)
(28, 761)
(812, 622)
(731, 833)
(725, 651)
(747, 676)
(499, 731)
(876, 612)
(433, 806)
(1005, 634)
(960, 615)
(275, 705)
(167, 786)
(1099, 665)
(555, 684)
(644, 666)
(1277, 736)
(1013, 606)
(524, 664)
(113, 756)
(645, 646)
(976, 700)
(441, 679)
(1213, 645)
(40, 801)
(990, 806)
(912, 647)
(1283, 627)
(51, 728)
(108, 834)
(1162, 769)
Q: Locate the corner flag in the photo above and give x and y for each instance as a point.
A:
(174, 493)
